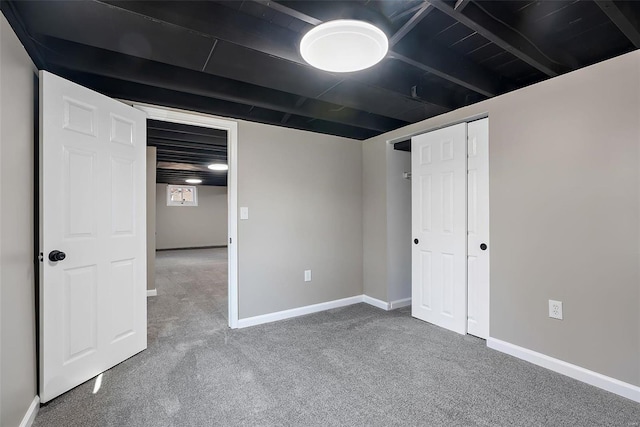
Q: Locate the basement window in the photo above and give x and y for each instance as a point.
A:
(182, 195)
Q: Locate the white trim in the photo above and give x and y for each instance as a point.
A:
(300, 311)
(152, 292)
(405, 302)
(231, 126)
(375, 302)
(31, 413)
(604, 382)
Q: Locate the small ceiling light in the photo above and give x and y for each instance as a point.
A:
(218, 167)
(193, 181)
(344, 45)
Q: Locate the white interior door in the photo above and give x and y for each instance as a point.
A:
(439, 224)
(92, 208)
(478, 228)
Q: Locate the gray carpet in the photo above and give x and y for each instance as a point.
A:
(352, 366)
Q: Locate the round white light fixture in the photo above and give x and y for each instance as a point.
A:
(344, 45)
(193, 181)
(218, 167)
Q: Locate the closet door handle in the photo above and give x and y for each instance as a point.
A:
(416, 241)
(483, 246)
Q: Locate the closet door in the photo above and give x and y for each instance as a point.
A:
(478, 228)
(439, 225)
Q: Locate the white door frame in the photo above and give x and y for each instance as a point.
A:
(166, 114)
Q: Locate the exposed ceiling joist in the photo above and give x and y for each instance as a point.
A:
(505, 37)
(410, 24)
(162, 75)
(623, 18)
(449, 69)
(242, 30)
(461, 4)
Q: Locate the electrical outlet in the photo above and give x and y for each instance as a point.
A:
(555, 309)
(307, 275)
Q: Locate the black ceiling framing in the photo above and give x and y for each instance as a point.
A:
(240, 58)
(185, 151)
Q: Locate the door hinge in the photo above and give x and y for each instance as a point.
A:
(40, 257)
(230, 240)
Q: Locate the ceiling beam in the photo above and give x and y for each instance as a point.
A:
(623, 18)
(461, 4)
(505, 37)
(410, 24)
(111, 64)
(244, 30)
(486, 84)
(409, 11)
(138, 92)
(175, 136)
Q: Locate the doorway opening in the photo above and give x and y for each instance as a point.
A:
(194, 228)
(187, 224)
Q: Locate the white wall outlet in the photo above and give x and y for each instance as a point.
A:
(555, 309)
(307, 275)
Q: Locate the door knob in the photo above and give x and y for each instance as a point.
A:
(415, 241)
(483, 246)
(56, 256)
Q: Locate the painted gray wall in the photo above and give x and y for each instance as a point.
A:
(565, 218)
(398, 225)
(192, 226)
(17, 286)
(304, 194)
(151, 217)
(374, 220)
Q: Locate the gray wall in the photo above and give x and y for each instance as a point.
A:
(565, 218)
(304, 194)
(398, 225)
(17, 287)
(192, 226)
(151, 217)
(374, 220)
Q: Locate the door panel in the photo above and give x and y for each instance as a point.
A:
(92, 207)
(478, 228)
(439, 215)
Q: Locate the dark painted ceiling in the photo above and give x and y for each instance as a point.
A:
(185, 151)
(240, 58)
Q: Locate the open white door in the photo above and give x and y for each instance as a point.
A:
(439, 224)
(478, 228)
(93, 312)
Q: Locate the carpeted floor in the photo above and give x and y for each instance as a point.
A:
(352, 366)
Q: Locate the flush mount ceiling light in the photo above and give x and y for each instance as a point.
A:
(218, 167)
(193, 181)
(344, 45)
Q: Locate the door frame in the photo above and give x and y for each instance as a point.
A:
(166, 114)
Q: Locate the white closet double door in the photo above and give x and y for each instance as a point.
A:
(450, 226)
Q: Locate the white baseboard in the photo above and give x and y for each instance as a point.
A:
(152, 292)
(604, 382)
(300, 311)
(31, 413)
(399, 303)
(375, 302)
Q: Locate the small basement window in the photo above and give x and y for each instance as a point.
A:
(182, 195)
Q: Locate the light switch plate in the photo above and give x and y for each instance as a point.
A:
(244, 213)
(307, 275)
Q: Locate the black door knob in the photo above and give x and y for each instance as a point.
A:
(56, 256)
(483, 246)
(415, 241)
